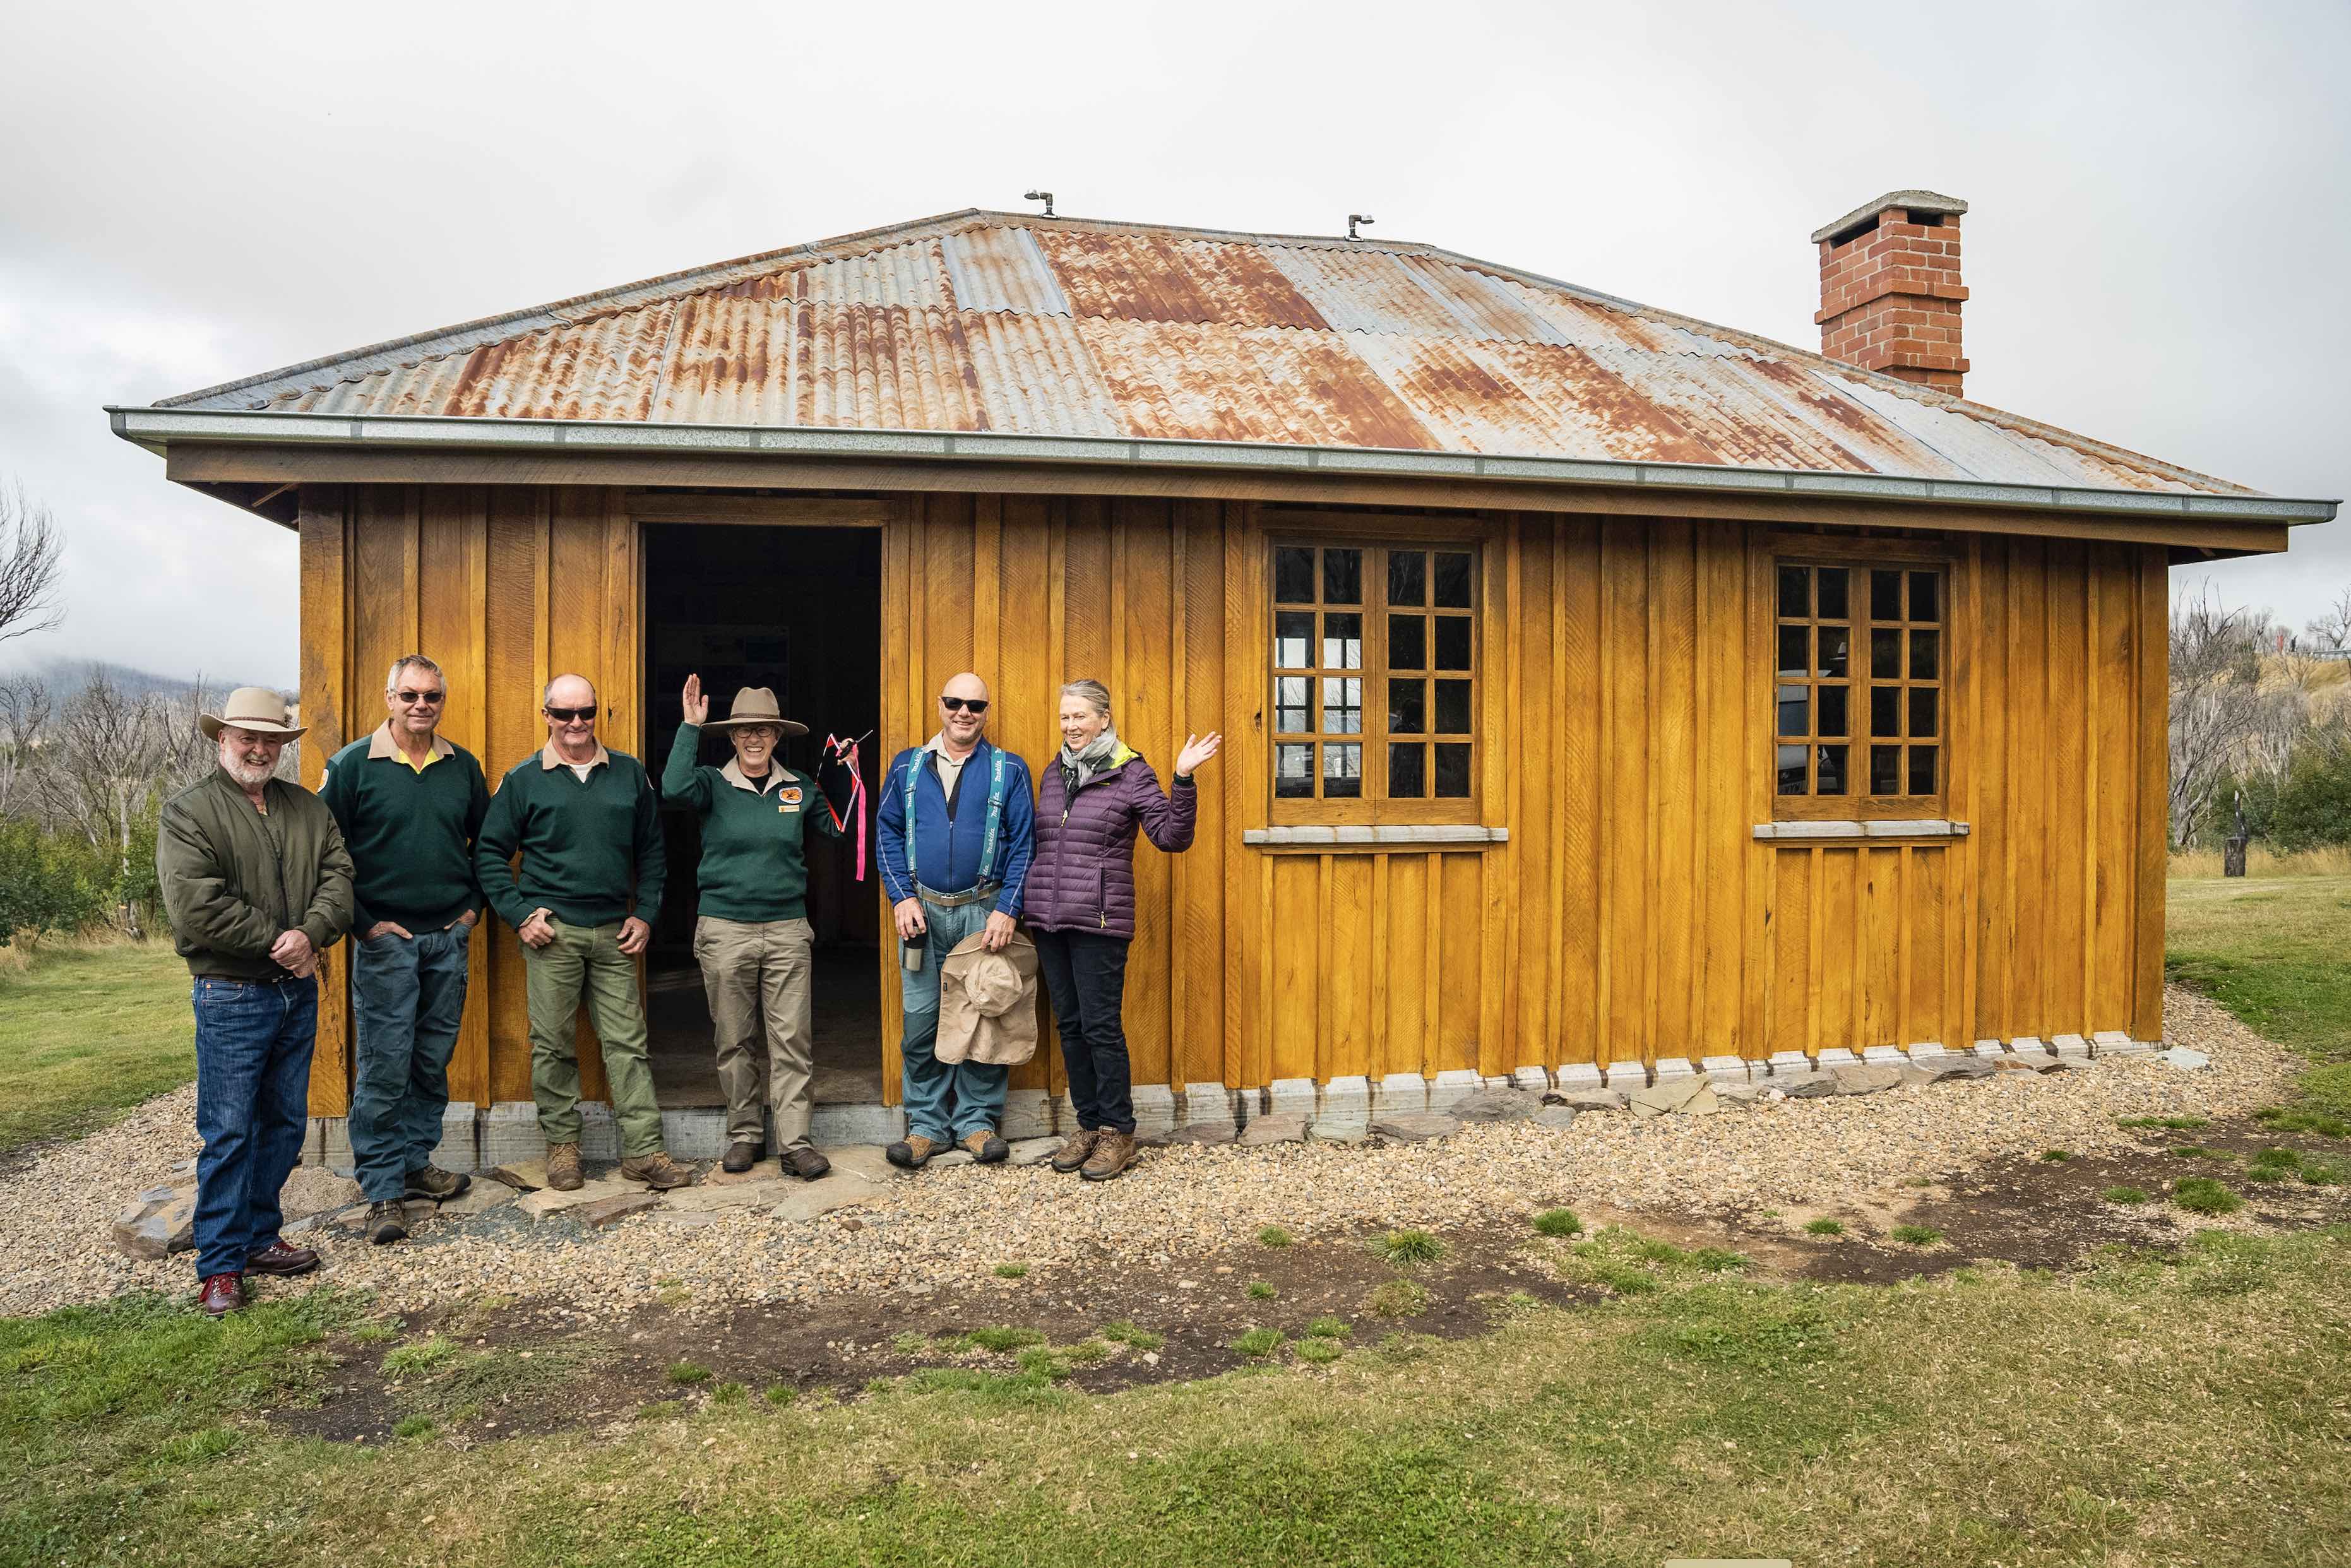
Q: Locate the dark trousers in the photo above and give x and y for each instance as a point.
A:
(1085, 974)
(253, 1099)
(408, 994)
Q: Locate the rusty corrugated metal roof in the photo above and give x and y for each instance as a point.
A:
(1000, 322)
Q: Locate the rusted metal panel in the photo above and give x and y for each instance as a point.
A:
(991, 322)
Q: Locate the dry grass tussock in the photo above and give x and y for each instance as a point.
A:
(2334, 861)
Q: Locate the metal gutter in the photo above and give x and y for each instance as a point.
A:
(152, 427)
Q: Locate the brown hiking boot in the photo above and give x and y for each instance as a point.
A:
(435, 1183)
(1112, 1153)
(741, 1156)
(911, 1152)
(563, 1166)
(657, 1171)
(806, 1163)
(986, 1146)
(1074, 1152)
(387, 1222)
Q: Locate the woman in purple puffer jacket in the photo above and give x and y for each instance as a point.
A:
(1078, 902)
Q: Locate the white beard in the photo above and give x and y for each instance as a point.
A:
(247, 776)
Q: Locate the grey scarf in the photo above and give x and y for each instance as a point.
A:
(1079, 767)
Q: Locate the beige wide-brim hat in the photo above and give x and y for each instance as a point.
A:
(257, 708)
(756, 705)
(987, 1002)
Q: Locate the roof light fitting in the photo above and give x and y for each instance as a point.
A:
(1354, 218)
(1044, 197)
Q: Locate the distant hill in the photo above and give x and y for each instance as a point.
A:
(67, 676)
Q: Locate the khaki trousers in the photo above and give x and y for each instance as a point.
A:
(758, 973)
(585, 962)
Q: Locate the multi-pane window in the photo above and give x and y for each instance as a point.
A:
(1375, 673)
(1858, 683)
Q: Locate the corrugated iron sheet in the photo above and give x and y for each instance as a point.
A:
(989, 322)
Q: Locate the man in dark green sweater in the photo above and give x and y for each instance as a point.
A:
(751, 934)
(584, 819)
(410, 804)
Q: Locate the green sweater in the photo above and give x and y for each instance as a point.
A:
(579, 842)
(411, 834)
(753, 869)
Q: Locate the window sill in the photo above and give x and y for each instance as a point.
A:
(1893, 828)
(1459, 835)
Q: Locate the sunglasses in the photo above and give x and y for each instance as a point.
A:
(426, 699)
(957, 705)
(566, 715)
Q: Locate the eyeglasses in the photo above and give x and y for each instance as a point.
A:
(957, 705)
(566, 715)
(421, 699)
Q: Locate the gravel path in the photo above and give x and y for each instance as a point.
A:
(954, 1226)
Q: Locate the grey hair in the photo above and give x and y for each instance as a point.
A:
(1097, 695)
(411, 662)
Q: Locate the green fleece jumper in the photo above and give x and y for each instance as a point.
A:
(579, 842)
(753, 867)
(411, 833)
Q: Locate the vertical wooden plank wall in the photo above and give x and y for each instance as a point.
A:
(1629, 916)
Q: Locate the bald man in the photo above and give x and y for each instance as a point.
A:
(954, 826)
(586, 824)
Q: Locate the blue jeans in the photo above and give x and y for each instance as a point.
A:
(407, 995)
(975, 1089)
(253, 1097)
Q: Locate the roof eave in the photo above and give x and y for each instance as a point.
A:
(159, 428)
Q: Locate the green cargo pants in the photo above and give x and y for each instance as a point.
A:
(586, 960)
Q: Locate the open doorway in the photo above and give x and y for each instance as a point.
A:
(798, 610)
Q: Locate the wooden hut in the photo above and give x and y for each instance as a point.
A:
(1604, 690)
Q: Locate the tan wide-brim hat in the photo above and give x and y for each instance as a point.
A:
(987, 1002)
(257, 708)
(756, 705)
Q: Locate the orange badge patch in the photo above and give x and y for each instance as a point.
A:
(788, 799)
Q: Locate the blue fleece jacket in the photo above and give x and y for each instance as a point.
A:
(947, 853)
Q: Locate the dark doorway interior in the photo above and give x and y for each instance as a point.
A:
(798, 610)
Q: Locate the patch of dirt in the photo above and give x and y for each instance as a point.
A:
(536, 1366)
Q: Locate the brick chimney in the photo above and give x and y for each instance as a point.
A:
(1890, 287)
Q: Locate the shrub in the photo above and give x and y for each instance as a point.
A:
(1397, 1299)
(1273, 1236)
(1409, 1249)
(1825, 1226)
(1011, 1270)
(1257, 1343)
(1259, 1291)
(50, 882)
(2202, 1194)
(1558, 1222)
(1916, 1235)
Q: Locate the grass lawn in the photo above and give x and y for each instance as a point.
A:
(2275, 951)
(88, 1031)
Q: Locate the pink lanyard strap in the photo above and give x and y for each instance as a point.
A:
(845, 751)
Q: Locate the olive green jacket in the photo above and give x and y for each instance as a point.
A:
(233, 883)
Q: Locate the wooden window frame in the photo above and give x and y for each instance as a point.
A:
(1860, 556)
(1374, 808)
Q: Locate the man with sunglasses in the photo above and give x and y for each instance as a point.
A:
(410, 804)
(586, 822)
(953, 839)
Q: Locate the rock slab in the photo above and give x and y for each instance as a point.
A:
(159, 1222)
(1289, 1128)
(1691, 1096)
(1497, 1105)
(608, 1211)
(841, 1189)
(1867, 1079)
(1417, 1126)
(1587, 1099)
(2187, 1061)
(1557, 1117)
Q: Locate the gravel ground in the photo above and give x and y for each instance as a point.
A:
(954, 1226)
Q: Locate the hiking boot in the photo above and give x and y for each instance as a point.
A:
(741, 1156)
(806, 1163)
(282, 1258)
(912, 1152)
(1074, 1152)
(1112, 1155)
(986, 1146)
(657, 1171)
(563, 1166)
(387, 1221)
(221, 1294)
(435, 1183)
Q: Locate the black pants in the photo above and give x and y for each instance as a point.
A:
(1085, 974)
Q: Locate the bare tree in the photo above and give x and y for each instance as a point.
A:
(2228, 715)
(109, 749)
(26, 710)
(2331, 627)
(30, 546)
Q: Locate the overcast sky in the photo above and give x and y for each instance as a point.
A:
(2161, 222)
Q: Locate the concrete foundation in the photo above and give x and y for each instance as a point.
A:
(1026, 1114)
(1345, 1111)
(460, 1147)
(1452, 1085)
(1399, 1095)
(1154, 1109)
(1626, 1075)
(1570, 1076)
(1533, 1079)
(1673, 1067)
(1725, 1069)
(1209, 1105)
(1291, 1097)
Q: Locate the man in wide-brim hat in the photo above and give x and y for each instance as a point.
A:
(257, 883)
(751, 931)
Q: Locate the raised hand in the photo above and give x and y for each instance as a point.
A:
(1196, 750)
(697, 706)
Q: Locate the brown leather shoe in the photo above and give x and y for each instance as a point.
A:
(911, 1152)
(387, 1221)
(740, 1156)
(1112, 1155)
(281, 1257)
(221, 1294)
(1075, 1153)
(563, 1166)
(806, 1163)
(435, 1183)
(657, 1171)
(986, 1146)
